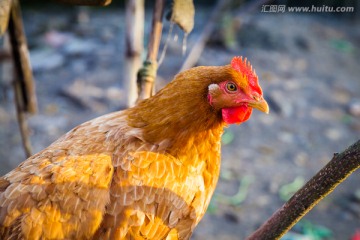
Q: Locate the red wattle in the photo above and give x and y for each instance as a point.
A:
(236, 114)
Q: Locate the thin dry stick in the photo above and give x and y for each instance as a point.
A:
(146, 75)
(24, 87)
(21, 117)
(21, 59)
(322, 184)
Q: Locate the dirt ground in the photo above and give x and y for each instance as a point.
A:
(308, 66)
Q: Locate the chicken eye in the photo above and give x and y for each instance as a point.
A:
(231, 87)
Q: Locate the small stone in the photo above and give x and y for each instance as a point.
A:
(115, 94)
(333, 134)
(56, 39)
(354, 107)
(51, 109)
(300, 65)
(285, 64)
(263, 200)
(107, 34)
(341, 95)
(292, 84)
(79, 47)
(270, 119)
(45, 60)
(324, 114)
(266, 150)
(286, 137)
(301, 159)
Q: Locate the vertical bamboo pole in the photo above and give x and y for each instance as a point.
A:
(147, 74)
(134, 41)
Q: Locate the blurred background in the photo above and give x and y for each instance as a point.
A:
(308, 66)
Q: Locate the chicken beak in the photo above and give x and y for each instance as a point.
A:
(260, 105)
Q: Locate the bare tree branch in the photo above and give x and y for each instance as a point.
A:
(322, 184)
(24, 86)
(21, 59)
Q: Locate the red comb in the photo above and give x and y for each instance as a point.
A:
(243, 66)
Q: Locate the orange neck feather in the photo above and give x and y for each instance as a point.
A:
(181, 111)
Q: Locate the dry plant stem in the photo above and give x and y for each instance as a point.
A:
(323, 183)
(134, 46)
(21, 117)
(24, 87)
(146, 76)
(21, 59)
(156, 30)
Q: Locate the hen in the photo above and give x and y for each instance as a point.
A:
(147, 172)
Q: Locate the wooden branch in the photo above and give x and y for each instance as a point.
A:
(156, 30)
(24, 87)
(21, 117)
(21, 60)
(322, 184)
(147, 75)
(134, 40)
(86, 2)
(221, 6)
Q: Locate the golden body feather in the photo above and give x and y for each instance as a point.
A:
(143, 173)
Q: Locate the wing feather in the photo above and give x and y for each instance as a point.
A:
(147, 197)
(59, 198)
